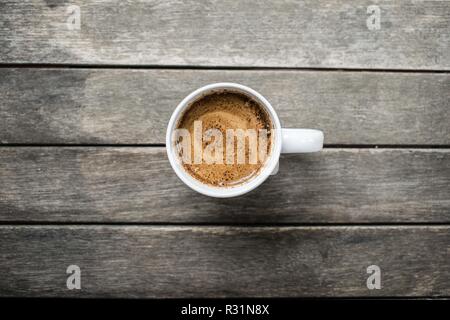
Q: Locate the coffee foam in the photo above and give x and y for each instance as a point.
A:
(222, 111)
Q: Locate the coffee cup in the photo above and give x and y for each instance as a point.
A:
(283, 140)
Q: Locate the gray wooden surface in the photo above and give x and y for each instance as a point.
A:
(102, 184)
(84, 177)
(108, 106)
(142, 261)
(413, 34)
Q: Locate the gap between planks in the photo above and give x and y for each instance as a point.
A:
(199, 67)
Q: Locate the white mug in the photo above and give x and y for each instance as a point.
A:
(284, 141)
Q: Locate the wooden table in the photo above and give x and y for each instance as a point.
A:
(84, 177)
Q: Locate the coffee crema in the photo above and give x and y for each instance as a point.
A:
(233, 118)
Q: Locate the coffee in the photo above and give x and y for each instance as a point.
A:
(222, 133)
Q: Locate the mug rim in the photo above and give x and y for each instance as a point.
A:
(231, 191)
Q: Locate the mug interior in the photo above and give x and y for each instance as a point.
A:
(225, 191)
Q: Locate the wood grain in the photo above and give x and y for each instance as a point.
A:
(332, 34)
(111, 191)
(179, 262)
(101, 184)
(93, 106)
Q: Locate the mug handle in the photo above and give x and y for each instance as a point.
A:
(300, 141)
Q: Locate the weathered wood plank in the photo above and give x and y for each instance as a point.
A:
(102, 184)
(413, 34)
(110, 106)
(176, 262)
